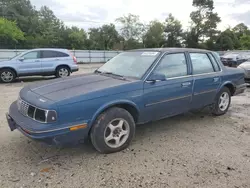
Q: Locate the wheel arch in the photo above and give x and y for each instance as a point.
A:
(11, 68)
(125, 104)
(63, 65)
(231, 86)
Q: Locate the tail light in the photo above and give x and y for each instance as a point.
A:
(74, 58)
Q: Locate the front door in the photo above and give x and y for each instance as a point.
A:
(172, 96)
(30, 63)
(207, 80)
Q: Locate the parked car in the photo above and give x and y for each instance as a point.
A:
(45, 62)
(233, 59)
(132, 88)
(246, 67)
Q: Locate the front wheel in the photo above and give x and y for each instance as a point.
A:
(113, 130)
(222, 102)
(7, 75)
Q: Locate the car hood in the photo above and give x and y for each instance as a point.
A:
(245, 65)
(87, 86)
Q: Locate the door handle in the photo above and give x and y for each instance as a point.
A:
(186, 84)
(37, 60)
(216, 79)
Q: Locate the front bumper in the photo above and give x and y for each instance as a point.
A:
(56, 136)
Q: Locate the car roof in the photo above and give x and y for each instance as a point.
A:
(172, 50)
(54, 49)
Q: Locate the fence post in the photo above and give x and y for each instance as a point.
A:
(89, 56)
(104, 55)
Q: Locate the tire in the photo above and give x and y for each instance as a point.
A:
(107, 141)
(62, 71)
(7, 75)
(218, 108)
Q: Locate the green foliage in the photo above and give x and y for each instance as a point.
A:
(204, 22)
(154, 37)
(245, 42)
(173, 31)
(132, 28)
(9, 33)
(22, 26)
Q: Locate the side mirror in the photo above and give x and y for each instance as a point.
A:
(21, 59)
(155, 77)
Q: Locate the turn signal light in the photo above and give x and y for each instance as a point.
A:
(77, 127)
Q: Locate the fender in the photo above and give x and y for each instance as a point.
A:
(110, 104)
(225, 83)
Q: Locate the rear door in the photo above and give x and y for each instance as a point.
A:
(30, 63)
(52, 58)
(207, 78)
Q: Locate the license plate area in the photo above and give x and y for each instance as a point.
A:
(11, 122)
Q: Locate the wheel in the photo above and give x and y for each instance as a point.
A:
(113, 130)
(222, 102)
(7, 75)
(62, 71)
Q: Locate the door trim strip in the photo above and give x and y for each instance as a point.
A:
(168, 100)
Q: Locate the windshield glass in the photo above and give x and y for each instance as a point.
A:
(130, 64)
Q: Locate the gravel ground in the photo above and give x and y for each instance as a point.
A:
(191, 150)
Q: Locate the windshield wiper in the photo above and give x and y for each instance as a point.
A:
(110, 73)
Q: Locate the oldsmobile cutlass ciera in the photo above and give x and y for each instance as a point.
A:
(134, 87)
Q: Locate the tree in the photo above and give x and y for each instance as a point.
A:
(132, 28)
(173, 31)
(245, 42)
(103, 37)
(227, 40)
(77, 38)
(22, 12)
(10, 34)
(154, 36)
(204, 22)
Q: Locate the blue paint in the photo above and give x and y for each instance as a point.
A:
(81, 99)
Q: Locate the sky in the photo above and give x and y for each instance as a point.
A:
(94, 13)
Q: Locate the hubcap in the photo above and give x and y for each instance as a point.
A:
(63, 72)
(7, 76)
(116, 133)
(224, 101)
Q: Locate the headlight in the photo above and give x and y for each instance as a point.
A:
(51, 116)
(38, 114)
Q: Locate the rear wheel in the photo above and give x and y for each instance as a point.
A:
(222, 102)
(7, 75)
(113, 130)
(62, 72)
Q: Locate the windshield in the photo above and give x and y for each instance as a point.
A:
(130, 64)
(16, 56)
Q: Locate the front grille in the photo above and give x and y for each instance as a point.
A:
(31, 111)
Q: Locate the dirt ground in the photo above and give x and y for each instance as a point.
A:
(191, 150)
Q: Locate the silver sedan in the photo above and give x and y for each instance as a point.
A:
(246, 67)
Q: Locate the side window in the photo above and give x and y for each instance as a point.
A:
(215, 64)
(201, 63)
(172, 65)
(61, 54)
(52, 54)
(31, 55)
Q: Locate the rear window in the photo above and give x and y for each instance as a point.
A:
(52, 54)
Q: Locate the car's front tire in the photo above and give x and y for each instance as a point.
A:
(113, 130)
(222, 102)
(7, 75)
(62, 71)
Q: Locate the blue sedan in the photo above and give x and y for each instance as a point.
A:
(135, 87)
